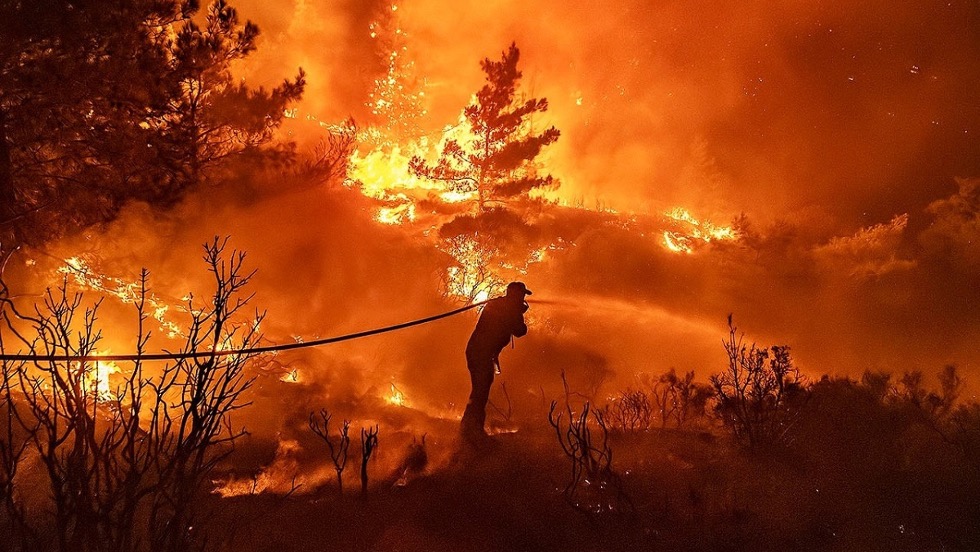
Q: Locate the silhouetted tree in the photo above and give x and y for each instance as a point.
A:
(14, 445)
(496, 159)
(76, 81)
(211, 116)
(680, 398)
(369, 442)
(878, 383)
(963, 430)
(338, 453)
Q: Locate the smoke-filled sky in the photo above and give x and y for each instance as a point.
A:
(847, 133)
(855, 112)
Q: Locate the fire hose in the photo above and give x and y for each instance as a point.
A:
(229, 352)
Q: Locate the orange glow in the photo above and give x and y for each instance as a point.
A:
(95, 378)
(126, 292)
(692, 233)
(396, 397)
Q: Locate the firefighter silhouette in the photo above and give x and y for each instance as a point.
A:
(502, 320)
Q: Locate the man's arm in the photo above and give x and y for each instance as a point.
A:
(520, 327)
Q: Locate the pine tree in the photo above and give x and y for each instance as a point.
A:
(211, 117)
(496, 160)
(76, 79)
(106, 102)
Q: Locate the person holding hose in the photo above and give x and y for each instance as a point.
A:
(502, 320)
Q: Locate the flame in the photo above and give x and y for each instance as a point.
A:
(693, 232)
(127, 292)
(94, 378)
(397, 215)
(282, 476)
(290, 377)
(396, 398)
(675, 243)
(380, 169)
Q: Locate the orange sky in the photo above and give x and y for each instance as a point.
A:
(854, 113)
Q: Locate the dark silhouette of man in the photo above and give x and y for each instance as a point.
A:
(502, 319)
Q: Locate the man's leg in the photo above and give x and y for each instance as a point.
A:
(481, 378)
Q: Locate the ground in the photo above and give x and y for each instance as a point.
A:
(688, 490)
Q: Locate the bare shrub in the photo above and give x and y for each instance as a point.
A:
(910, 391)
(593, 486)
(761, 394)
(126, 466)
(630, 412)
(678, 400)
(503, 413)
(338, 453)
(935, 405)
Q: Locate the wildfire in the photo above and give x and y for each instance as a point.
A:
(95, 378)
(126, 292)
(383, 169)
(282, 476)
(397, 215)
(693, 233)
(396, 397)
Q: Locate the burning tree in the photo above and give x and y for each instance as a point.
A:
(397, 99)
(495, 160)
(126, 465)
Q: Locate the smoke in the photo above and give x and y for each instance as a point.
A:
(766, 107)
